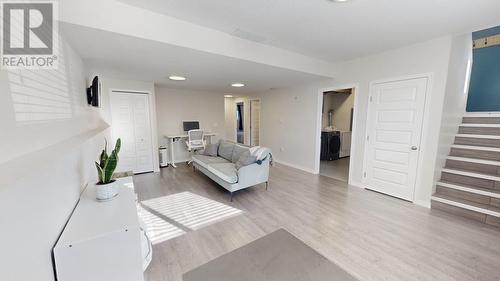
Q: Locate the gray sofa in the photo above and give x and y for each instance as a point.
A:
(223, 171)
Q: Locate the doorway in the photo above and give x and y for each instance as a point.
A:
(240, 123)
(242, 119)
(336, 133)
(131, 122)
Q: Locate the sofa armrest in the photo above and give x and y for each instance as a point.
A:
(253, 174)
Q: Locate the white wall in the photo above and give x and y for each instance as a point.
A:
(109, 83)
(341, 104)
(289, 124)
(49, 143)
(290, 116)
(174, 106)
(34, 100)
(455, 99)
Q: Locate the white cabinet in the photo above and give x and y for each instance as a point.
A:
(345, 144)
(103, 241)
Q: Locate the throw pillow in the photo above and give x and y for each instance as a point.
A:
(237, 151)
(211, 149)
(226, 150)
(245, 159)
(254, 149)
(261, 153)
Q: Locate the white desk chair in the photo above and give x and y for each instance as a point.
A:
(196, 141)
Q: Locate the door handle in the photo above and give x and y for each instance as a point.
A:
(414, 148)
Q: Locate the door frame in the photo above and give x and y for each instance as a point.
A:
(354, 136)
(152, 120)
(424, 129)
(250, 117)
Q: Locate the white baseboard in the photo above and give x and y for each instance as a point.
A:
(310, 171)
(357, 184)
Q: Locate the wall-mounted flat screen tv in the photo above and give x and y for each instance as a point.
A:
(94, 92)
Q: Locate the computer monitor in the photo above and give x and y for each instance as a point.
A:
(191, 125)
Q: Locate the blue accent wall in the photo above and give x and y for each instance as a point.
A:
(484, 90)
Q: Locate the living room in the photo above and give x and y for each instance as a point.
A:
(210, 116)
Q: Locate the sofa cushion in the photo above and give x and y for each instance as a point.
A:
(226, 150)
(238, 151)
(204, 160)
(246, 158)
(225, 171)
(211, 149)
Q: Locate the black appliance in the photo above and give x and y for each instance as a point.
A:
(330, 145)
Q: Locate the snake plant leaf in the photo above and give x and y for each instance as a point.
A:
(110, 167)
(103, 158)
(99, 172)
(118, 146)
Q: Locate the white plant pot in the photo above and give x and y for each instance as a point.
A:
(106, 192)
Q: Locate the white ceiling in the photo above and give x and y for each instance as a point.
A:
(333, 31)
(126, 57)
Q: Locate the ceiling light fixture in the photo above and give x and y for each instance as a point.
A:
(238, 85)
(338, 1)
(177, 78)
(228, 96)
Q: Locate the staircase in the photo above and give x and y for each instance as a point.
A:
(470, 182)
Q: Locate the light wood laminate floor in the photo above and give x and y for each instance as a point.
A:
(370, 235)
(337, 169)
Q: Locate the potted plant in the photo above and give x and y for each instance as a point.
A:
(106, 188)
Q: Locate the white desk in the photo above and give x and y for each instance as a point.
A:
(174, 138)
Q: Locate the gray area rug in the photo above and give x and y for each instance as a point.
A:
(278, 256)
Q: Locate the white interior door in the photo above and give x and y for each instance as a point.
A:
(131, 122)
(254, 122)
(394, 131)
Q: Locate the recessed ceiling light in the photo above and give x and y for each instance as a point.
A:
(228, 96)
(338, 1)
(177, 78)
(238, 85)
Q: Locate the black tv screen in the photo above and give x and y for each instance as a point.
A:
(93, 92)
(191, 125)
